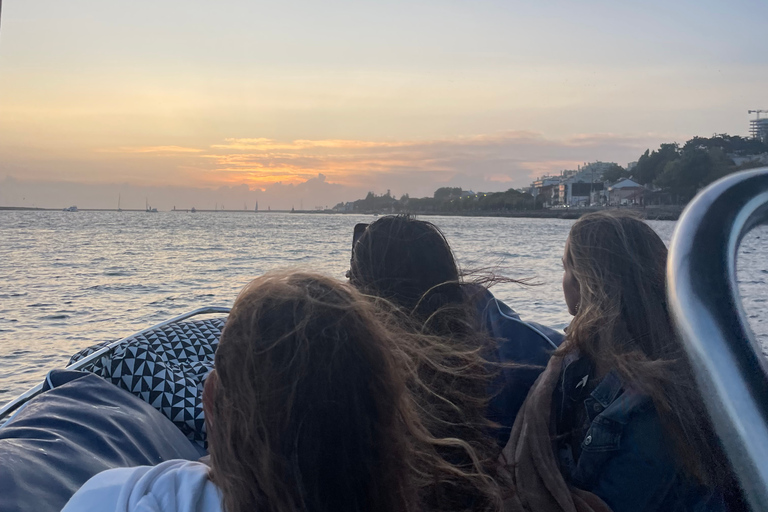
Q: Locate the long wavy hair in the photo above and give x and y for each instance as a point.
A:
(311, 406)
(409, 263)
(623, 323)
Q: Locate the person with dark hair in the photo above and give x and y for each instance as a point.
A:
(409, 262)
(629, 423)
(309, 408)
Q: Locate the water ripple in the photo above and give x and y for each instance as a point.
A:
(74, 280)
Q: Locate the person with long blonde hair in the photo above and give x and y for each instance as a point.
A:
(628, 422)
(312, 407)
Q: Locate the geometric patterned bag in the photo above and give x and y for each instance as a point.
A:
(166, 368)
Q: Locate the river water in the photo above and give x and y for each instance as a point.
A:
(72, 279)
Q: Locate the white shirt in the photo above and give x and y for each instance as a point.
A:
(172, 486)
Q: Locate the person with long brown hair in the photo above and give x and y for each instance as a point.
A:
(310, 408)
(409, 262)
(629, 423)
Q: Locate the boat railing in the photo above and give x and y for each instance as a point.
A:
(704, 298)
(82, 363)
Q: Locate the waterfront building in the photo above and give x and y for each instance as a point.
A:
(626, 192)
(582, 187)
(543, 189)
(546, 190)
(344, 207)
(577, 189)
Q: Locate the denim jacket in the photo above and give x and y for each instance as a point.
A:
(523, 343)
(624, 456)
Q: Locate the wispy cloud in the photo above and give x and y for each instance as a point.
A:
(329, 170)
(282, 174)
(263, 144)
(497, 160)
(159, 150)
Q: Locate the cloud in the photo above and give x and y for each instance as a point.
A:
(495, 161)
(318, 172)
(262, 144)
(168, 150)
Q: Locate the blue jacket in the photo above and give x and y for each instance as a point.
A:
(621, 453)
(523, 343)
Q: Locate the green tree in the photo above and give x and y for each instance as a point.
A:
(614, 173)
(729, 144)
(694, 169)
(651, 165)
(444, 193)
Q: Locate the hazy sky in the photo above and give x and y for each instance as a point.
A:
(321, 101)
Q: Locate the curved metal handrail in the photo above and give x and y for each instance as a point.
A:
(24, 397)
(706, 306)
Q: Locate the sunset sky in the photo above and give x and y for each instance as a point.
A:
(192, 103)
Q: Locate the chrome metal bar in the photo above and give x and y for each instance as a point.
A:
(706, 306)
(24, 397)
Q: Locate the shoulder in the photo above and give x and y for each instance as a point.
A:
(503, 323)
(175, 485)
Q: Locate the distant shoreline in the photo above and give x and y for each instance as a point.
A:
(649, 213)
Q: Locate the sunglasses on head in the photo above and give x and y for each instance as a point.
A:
(356, 234)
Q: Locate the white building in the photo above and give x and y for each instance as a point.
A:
(542, 189)
(344, 207)
(546, 190)
(577, 189)
(626, 192)
(758, 129)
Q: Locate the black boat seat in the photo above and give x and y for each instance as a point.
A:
(83, 426)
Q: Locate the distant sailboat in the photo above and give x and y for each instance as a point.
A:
(149, 210)
(118, 203)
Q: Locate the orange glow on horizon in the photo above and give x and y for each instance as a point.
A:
(262, 162)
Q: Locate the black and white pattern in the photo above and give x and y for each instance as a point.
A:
(166, 368)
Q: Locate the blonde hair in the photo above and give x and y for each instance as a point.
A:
(623, 323)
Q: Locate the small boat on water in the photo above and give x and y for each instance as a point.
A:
(70, 209)
(145, 389)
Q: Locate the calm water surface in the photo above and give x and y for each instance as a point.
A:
(72, 279)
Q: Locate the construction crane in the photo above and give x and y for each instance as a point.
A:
(756, 112)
